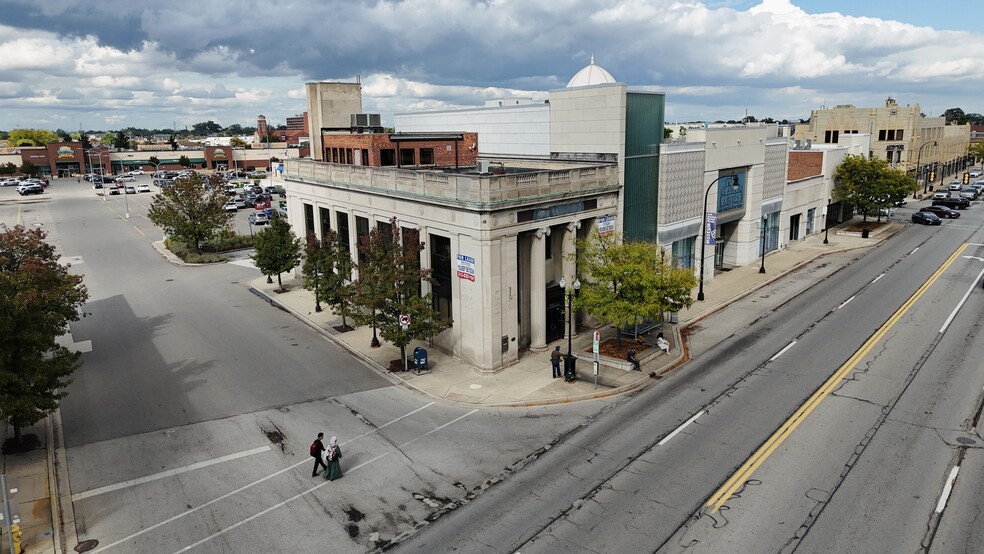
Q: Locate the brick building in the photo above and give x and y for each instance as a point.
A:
(402, 149)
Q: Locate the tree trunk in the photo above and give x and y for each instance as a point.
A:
(17, 434)
(279, 282)
(403, 355)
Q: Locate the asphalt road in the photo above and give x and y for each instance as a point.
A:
(637, 479)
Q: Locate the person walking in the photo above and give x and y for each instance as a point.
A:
(333, 455)
(555, 361)
(317, 448)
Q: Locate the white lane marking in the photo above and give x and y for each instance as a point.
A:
(676, 431)
(973, 258)
(845, 302)
(963, 300)
(947, 489)
(310, 490)
(914, 251)
(781, 352)
(877, 278)
(244, 487)
(169, 473)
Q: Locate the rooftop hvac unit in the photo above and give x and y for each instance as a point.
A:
(483, 166)
(366, 120)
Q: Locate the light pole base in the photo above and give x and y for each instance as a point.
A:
(762, 269)
(700, 296)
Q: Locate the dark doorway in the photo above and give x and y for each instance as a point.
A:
(794, 227)
(555, 313)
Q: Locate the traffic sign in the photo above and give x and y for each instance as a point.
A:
(404, 320)
(596, 342)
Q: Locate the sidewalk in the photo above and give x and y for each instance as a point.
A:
(529, 382)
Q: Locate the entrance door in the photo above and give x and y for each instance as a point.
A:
(794, 227)
(719, 253)
(555, 313)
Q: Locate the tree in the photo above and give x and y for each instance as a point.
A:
(977, 150)
(154, 161)
(869, 185)
(237, 142)
(189, 212)
(277, 249)
(121, 141)
(667, 133)
(627, 281)
(38, 299)
(8, 169)
(173, 143)
(183, 161)
(328, 271)
(63, 135)
(389, 286)
(206, 128)
(27, 168)
(953, 115)
(31, 137)
(86, 143)
(682, 132)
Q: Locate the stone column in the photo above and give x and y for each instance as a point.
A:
(569, 265)
(538, 290)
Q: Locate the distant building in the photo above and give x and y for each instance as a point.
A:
(298, 122)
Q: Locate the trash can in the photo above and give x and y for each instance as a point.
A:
(569, 371)
(864, 233)
(420, 358)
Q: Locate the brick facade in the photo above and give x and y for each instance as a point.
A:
(803, 164)
(382, 150)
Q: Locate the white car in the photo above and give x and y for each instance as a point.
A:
(124, 178)
(940, 194)
(136, 172)
(231, 207)
(143, 188)
(9, 182)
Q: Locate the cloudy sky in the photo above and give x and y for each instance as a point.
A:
(110, 64)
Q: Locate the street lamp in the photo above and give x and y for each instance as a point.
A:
(703, 243)
(918, 158)
(569, 360)
(765, 220)
(826, 222)
(317, 297)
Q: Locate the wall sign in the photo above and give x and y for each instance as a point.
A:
(606, 225)
(466, 267)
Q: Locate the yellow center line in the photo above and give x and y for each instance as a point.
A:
(769, 446)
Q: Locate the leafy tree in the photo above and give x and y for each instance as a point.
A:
(38, 298)
(27, 168)
(682, 132)
(8, 169)
(206, 128)
(953, 114)
(626, 281)
(154, 161)
(328, 271)
(234, 129)
(183, 161)
(277, 249)
(32, 137)
(63, 135)
(86, 143)
(121, 141)
(237, 142)
(977, 150)
(869, 185)
(189, 212)
(173, 143)
(667, 133)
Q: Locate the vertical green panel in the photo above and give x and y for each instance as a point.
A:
(644, 122)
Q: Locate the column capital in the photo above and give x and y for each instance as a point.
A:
(542, 232)
(574, 226)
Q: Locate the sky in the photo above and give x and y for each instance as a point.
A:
(112, 64)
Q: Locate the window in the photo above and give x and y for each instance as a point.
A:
(308, 219)
(361, 235)
(891, 134)
(426, 156)
(548, 247)
(385, 231)
(889, 156)
(830, 137)
(683, 252)
(881, 134)
(365, 156)
(325, 215)
(898, 134)
(411, 241)
(441, 267)
(387, 156)
(343, 231)
(407, 156)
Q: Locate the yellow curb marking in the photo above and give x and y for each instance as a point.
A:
(758, 458)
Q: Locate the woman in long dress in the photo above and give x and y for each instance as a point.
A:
(332, 456)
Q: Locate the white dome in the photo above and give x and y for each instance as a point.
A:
(591, 74)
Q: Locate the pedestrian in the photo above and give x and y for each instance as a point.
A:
(333, 455)
(317, 448)
(631, 356)
(662, 343)
(555, 361)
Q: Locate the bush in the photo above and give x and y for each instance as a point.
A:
(188, 254)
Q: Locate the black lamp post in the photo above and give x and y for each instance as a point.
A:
(826, 223)
(703, 242)
(918, 158)
(317, 297)
(569, 359)
(765, 220)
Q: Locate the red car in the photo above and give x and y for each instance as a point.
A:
(261, 204)
(942, 212)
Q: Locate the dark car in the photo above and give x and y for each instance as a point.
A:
(941, 212)
(953, 203)
(24, 190)
(926, 218)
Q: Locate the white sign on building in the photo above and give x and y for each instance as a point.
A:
(606, 225)
(466, 267)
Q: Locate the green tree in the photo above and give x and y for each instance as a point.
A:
(206, 128)
(870, 185)
(400, 250)
(189, 212)
(86, 143)
(627, 281)
(977, 150)
(277, 249)
(121, 141)
(173, 143)
(183, 161)
(31, 137)
(8, 169)
(667, 133)
(28, 168)
(328, 271)
(63, 135)
(237, 142)
(953, 115)
(38, 299)
(154, 161)
(682, 132)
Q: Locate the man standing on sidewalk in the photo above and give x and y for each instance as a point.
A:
(555, 361)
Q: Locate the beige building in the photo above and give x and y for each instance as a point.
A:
(330, 107)
(898, 134)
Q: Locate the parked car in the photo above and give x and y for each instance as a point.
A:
(969, 192)
(926, 218)
(230, 206)
(258, 218)
(136, 172)
(143, 187)
(953, 203)
(113, 190)
(240, 202)
(974, 173)
(10, 182)
(942, 212)
(24, 190)
(125, 178)
(129, 189)
(940, 194)
(955, 185)
(261, 204)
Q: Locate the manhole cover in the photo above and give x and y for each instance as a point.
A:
(965, 440)
(86, 546)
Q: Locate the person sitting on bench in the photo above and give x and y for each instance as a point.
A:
(631, 356)
(662, 343)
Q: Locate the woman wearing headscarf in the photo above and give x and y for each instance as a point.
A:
(332, 456)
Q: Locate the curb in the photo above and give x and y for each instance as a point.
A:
(62, 509)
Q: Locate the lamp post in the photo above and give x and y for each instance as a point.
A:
(569, 360)
(826, 222)
(765, 220)
(703, 242)
(918, 158)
